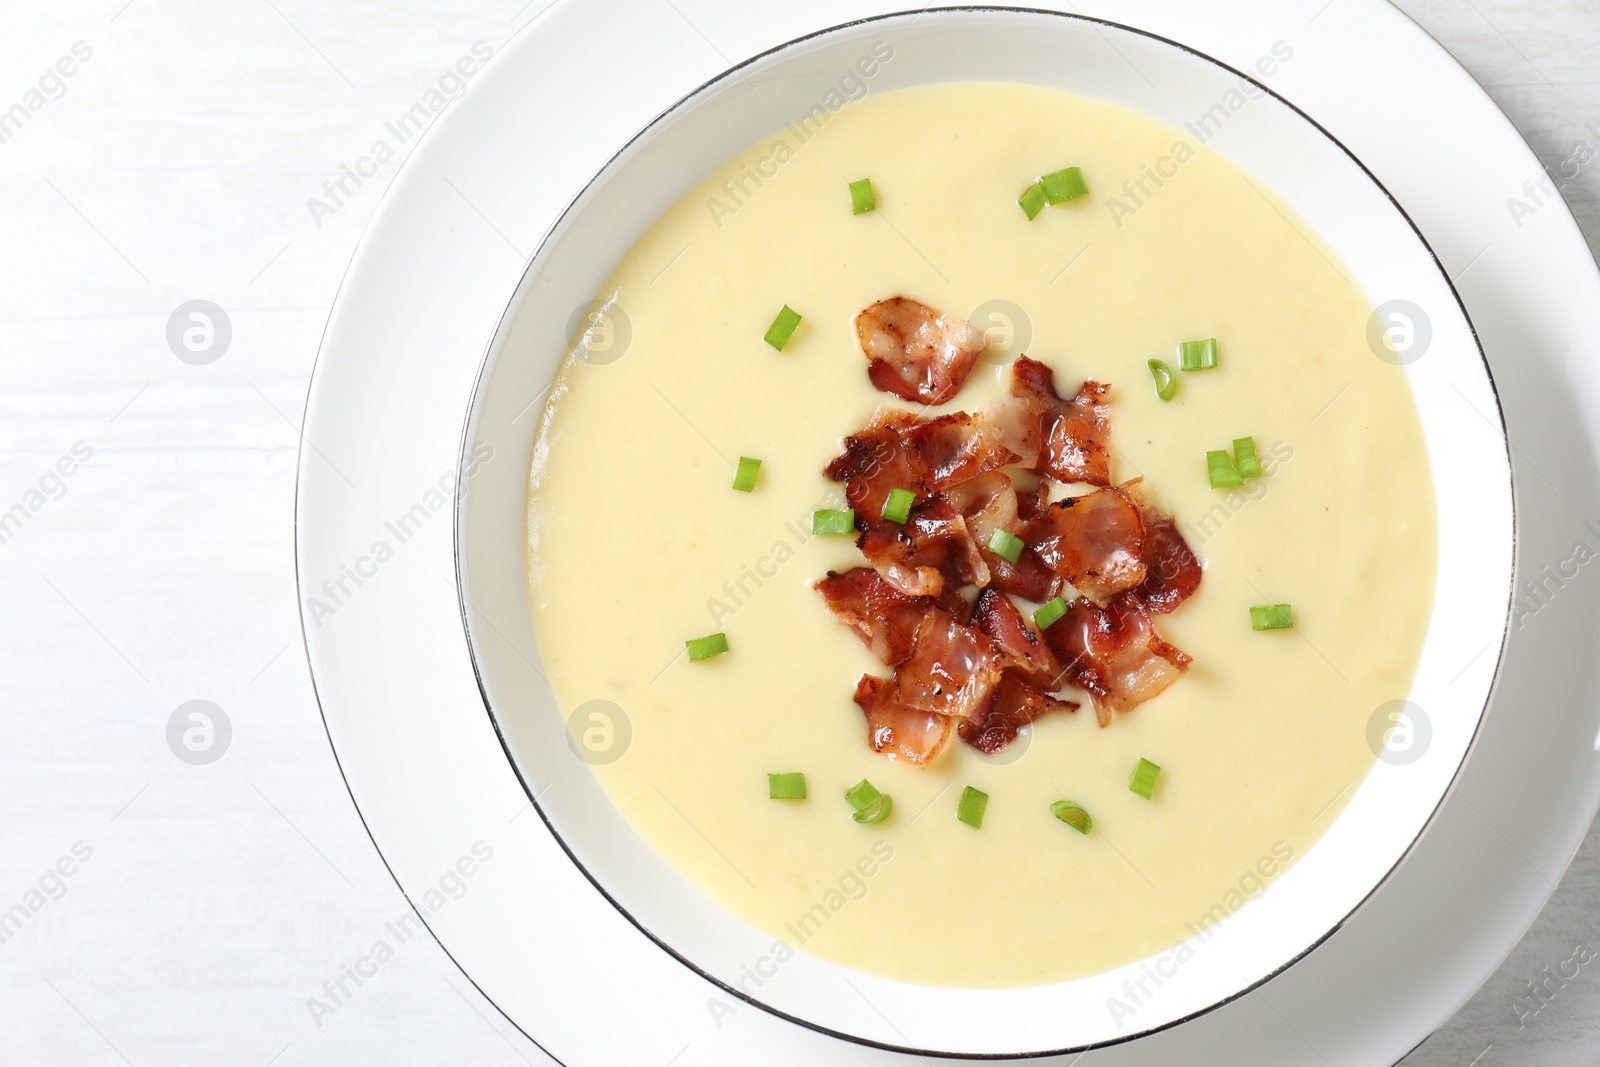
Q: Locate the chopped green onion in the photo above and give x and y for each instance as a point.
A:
(862, 795)
(1072, 815)
(1144, 778)
(1245, 459)
(744, 479)
(705, 647)
(836, 523)
(1220, 469)
(1271, 617)
(870, 805)
(876, 813)
(782, 328)
(1032, 200)
(1063, 185)
(1198, 355)
(862, 199)
(786, 786)
(1166, 384)
(971, 807)
(1049, 613)
(897, 505)
(1007, 545)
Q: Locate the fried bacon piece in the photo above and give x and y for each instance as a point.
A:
(952, 670)
(932, 551)
(997, 618)
(1077, 432)
(1031, 504)
(987, 504)
(990, 503)
(916, 353)
(1114, 653)
(884, 618)
(1015, 705)
(874, 462)
(1028, 577)
(933, 547)
(956, 448)
(1172, 573)
(896, 729)
(1017, 423)
(1094, 541)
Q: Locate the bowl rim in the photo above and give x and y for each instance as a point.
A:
(507, 316)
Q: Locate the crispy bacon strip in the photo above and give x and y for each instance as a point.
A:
(1027, 578)
(1018, 424)
(990, 503)
(884, 618)
(952, 670)
(874, 462)
(987, 504)
(916, 353)
(1115, 653)
(997, 618)
(1172, 573)
(1031, 504)
(1077, 432)
(1016, 704)
(1094, 541)
(895, 729)
(956, 448)
(933, 550)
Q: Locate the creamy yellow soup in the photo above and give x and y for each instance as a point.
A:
(636, 541)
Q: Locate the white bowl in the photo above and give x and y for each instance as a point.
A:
(1329, 189)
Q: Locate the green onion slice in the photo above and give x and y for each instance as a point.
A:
(897, 505)
(782, 328)
(970, 809)
(877, 812)
(1272, 617)
(744, 479)
(1032, 200)
(1073, 815)
(862, 199)
(1198, 355)
(1049, 613)
(1221, 471)
(1166, 384)
(1245, 459)
(870, 805)
(1065, 184)
(1007, 545)
(862, 795)
(1144, 778)
(786, 786)
(705, 647)
(833, 523)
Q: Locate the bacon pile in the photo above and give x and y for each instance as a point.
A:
(935, 604)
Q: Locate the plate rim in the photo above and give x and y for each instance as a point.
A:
(507, 315)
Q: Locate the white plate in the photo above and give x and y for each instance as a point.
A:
(445, 252)
(1377, 246)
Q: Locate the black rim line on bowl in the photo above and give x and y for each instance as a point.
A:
(466, 608)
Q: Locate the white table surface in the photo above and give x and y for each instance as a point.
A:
(175, 165)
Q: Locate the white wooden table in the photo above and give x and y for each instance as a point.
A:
(155, 910)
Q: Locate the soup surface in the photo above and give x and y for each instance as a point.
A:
(636, 542)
